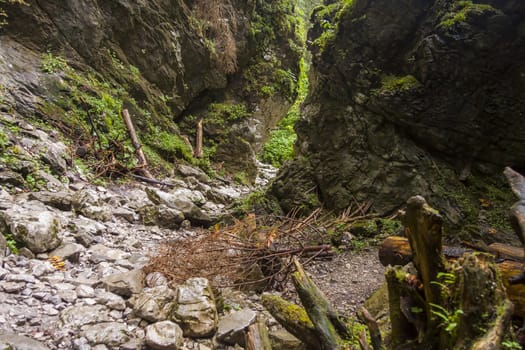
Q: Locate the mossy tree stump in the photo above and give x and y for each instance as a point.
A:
(444, 306)
(423, 230)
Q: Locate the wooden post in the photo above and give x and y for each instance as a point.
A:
(402, 330)
(198, 142)
(142, 162)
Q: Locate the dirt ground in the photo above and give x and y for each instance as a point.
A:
(349, 278)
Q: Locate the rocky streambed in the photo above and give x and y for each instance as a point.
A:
(77, 282)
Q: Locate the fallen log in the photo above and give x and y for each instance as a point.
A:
(294, 318)
(396, 251)
(317, 323)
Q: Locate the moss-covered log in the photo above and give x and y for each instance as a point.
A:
(327, 322)
(294, 318)
(318, 324)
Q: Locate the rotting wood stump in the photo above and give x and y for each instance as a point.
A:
(395, 250)
(458, 305)
(439, 305)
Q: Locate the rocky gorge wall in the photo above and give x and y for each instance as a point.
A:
(169, 62)
(410, 97)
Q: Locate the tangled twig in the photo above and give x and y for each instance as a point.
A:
(255, 251)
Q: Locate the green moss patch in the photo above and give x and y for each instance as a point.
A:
(395, 84)
(87, 108)
(463, 11)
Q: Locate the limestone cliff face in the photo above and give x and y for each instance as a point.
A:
(174, 58)
(407, 97)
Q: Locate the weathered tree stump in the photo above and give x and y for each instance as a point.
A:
(396, 250)
(423, 229)
(461, 305)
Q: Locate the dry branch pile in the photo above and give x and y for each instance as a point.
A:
(254, 251)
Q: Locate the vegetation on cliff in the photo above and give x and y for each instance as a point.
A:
(399, 103)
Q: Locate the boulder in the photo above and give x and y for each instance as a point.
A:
(156, 279)
(186, 206)
(89, 203)
(161, 215)
(60, 200)
(281, 339)
(12, 341)
(100, 252)
(196, 197)
(165, 335)
(231, 327)
(187, 171)
(10, 177)
(78, 316)
(55, 156)
(82, 224)
(155, 304)
(196, 312)
(33, 225)
(111, 300)
(111, 334)
(125, 284)
(69, 251)
(3, 245)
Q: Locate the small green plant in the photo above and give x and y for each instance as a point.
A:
(53, 64)
(392, 83)
(509, 344)
(4, 140)
(3, 15)
(461, 11)
(11, 243)
(241, 178)
(450, 320)
(34, 184)
(447, 278)
(170, 146)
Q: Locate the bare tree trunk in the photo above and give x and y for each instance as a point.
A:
(142, 162)
(198, 141)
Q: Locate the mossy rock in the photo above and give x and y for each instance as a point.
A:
(365, 228)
